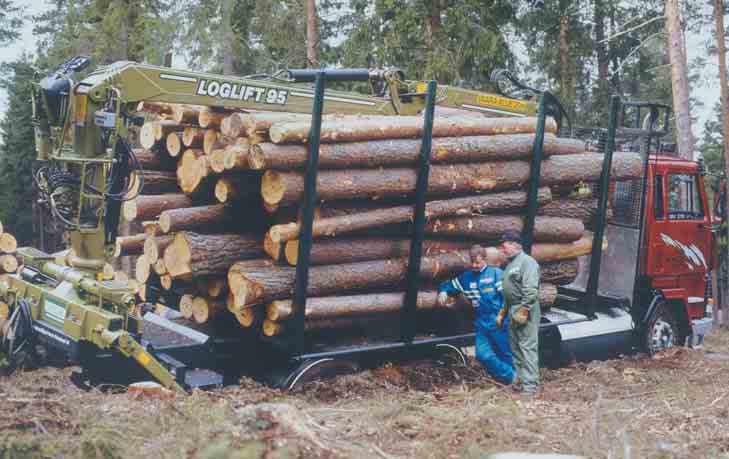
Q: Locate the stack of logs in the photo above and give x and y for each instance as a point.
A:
(8, 263)
(222, 238)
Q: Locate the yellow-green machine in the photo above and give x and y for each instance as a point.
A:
(81, 135)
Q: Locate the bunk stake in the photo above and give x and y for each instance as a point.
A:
(535, 172)
(409, 309)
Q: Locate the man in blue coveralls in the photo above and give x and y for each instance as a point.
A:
(482, 287)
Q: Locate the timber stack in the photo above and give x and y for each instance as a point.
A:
(8, 263)
(222, 240)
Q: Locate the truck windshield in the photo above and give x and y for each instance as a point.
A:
(684, 200)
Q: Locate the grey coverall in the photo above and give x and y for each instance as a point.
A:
(521, 288)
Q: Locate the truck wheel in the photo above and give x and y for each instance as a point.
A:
(662, 331)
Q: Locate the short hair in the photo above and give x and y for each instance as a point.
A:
(477, 251)
(492, 252)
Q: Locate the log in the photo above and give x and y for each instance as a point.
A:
(160, 108)
(237, 187)
(154, 246)
(205, 309)
(142, 270)
(150, 206)
(246, 316)
(213, 287)
(262, 121)
(560, 272)
(191, 218)
(187, 170)
(192, 137)
(185, 304)
(338, 251)
(214, 140)
(159, 267)
(8, 263)
(232, 125)
(401, 152)
(375, 218)
(404, 127)
(286, 188)
(164, 127)
(217, 161)
(151, 228)
(236, 156)
(185, 113)
(165, 280)
(547, 252)
(158, 182)
(260, 283)
(146, 135)
(129, 245)
(491, 227)
(8, 243)
(373, 303)
(210, 119)
(584, 209)
(150, 160)
(174, 144)
(191, 254)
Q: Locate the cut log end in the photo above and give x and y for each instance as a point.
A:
(186, 302)
(142, 270)
(272, 188)
(8, 263)
(8, 243)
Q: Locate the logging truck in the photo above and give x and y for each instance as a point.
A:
(645, 291)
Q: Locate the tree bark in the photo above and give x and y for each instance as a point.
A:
(582, 209)
(237, 187)
(491, 227)
(154, 246)
(312, 34)
(401, 152)
(679, 80)
(486, 203)
(129, 245)
(147, 207)
(263, 284)
(158, 182)
(191, 218)
(160, 108)
(286, 188)
(402, 127)
(191, 255)
(261, 122)
(150, 160)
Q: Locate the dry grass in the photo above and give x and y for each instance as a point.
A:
(673, 406)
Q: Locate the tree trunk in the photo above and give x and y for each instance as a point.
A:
(403, 127)
(192, 218)
(491, 227)
(603, 60)
(724, 87)
(192, 137)
(486, 203)
(565, 67)
(129, 245)
(154, 246)
(253, 284)
(286, 188)
(191, 255)
(679, 80)
(400, 152)
(157, 182)
(338, 251)
(312, 34)
(150, 206)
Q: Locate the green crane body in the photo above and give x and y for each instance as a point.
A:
(79, 130)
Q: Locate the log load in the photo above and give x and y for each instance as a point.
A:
(187, 170)
(150, 160)
(191, 218)
(210, 119)
(401, 152)
(584, 209)
(350, 250)
(264, 283)
(192, 137)
(146, 207)
(491, 227)
(403, 127)
(160, 108)
(236, 156)
(372, 303)
(157, 182)
(237, 187)
(129, 245)
(187, 114)
(205, 309)
(286, 188)
(154, 246)
(193, 255)
(486, 203)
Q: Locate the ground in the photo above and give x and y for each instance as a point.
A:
(674, 405)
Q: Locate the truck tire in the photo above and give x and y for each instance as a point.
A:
(662, 330)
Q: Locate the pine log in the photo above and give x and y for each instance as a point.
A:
(375, 218)
(174, 144)
(158, 182)
(401, 152)
(235, 156)
(165, 280)
(232, 125)
(150, 206)
(584, 209)
(246, 316)
(185, 304)
(214, 140)
(8, 263)
(192, 254)
(186, 113)
(547, 252)
(160, 108)
(164, 127)
(146, 135)
(159, 267)
(129, 245)
(151, 228)
(142, 270)
(217, 161)
(154, 246)
(491, 227)
(151, 160)
(262, 121)
(187, 170)
(213, 287)
(286, 188)
(338, 251)
(403, 127)
(374, 303)
(8, 243)
(253, 284)
(205, 309)
(192, 137)
(210, 119)
(190, 218)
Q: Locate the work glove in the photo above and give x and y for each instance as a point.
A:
(500, 318)
(521, 316)
(442, 299)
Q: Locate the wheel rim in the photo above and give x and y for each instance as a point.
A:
(661, 336)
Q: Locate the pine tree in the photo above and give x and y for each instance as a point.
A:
(10, 22)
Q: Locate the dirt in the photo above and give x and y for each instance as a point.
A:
(675, 405)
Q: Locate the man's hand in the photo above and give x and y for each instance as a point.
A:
(521, 316)
(500, 318)
(442, 299)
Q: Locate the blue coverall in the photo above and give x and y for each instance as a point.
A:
(485, 292)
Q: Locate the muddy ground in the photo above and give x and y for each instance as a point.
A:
(675, 405)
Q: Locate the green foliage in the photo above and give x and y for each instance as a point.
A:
(712, 148)
(17, 151)
(10, 22)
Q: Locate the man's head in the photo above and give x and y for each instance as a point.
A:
(511, 243)
(493, 256)
(478, 258)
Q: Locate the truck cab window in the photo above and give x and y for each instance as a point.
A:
(658, 204)
(684, 200)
